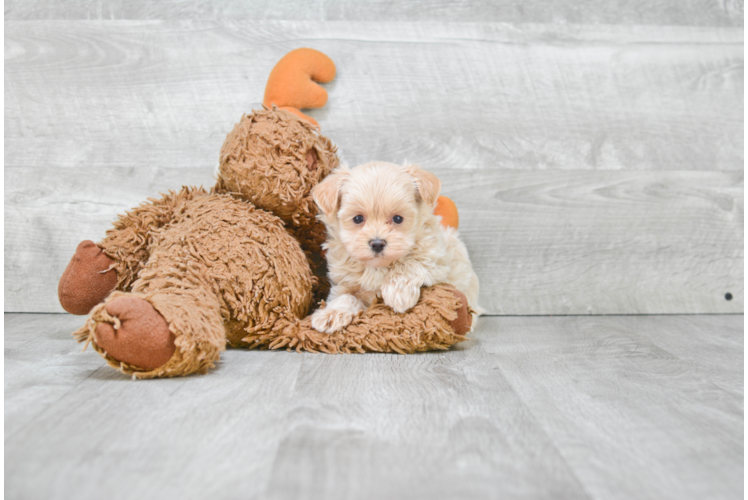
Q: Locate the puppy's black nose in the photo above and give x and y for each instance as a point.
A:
(377, 245)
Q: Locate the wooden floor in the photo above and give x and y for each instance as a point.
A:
(532, 407)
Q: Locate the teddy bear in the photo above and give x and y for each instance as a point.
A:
(182, 276)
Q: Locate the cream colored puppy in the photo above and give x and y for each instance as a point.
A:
(384, 240)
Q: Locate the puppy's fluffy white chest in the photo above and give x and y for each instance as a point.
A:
(428, 262)
(372, 279)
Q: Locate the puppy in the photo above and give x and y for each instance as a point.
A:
(383, 240)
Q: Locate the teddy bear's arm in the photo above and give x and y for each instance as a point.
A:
(128, 242)
(114, 263)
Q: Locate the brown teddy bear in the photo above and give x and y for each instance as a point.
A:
(181, 276)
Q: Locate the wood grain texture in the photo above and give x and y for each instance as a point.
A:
(541, 97)
(712, 345)
(167, 440)
(442, 426)
(626, 412)
(603, 242)
(561, 242)
(518, 120)
(670, 12)
(575, 407)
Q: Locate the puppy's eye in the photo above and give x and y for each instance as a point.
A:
(398, 219)
(358, 219)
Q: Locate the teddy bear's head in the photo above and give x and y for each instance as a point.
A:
(273, 159)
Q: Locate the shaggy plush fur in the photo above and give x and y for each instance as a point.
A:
(439, 320)
(198, 270)
(273, 160)
(221, 269)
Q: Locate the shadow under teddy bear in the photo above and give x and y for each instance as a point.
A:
(181, 276)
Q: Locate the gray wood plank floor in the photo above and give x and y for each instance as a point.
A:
(531, 407)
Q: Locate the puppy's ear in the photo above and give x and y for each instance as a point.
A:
(326, 194)
(429, 185)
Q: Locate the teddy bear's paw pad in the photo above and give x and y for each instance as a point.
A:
(464, 320)
(142, 339)
(87, 280)
(331, 320)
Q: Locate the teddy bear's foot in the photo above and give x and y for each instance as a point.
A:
(138, 336)
(87, 280)
(168, 332)
(464, 320)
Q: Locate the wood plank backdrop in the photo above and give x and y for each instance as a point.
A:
(663, 12)
(598, 168)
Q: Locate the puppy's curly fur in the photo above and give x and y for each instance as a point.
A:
(383, 240)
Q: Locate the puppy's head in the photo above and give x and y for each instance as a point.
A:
(376, 210)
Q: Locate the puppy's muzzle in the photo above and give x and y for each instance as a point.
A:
(377, 245)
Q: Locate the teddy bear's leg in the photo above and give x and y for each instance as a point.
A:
(114, 263)
(170, 324)
(88, 279)
(163, 332)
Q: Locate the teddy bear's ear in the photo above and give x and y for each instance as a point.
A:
(326, 194)
(429, 185)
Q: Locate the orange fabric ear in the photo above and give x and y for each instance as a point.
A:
(291, 84)
(448, 211)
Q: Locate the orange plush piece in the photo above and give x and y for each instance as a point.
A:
(447, 209)
(291, 84)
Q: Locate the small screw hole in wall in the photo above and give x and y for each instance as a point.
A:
(728, 296)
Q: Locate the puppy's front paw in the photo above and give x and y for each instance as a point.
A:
(400, 297)
(331, 320)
